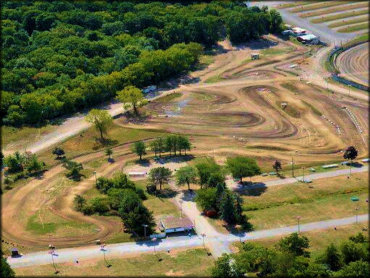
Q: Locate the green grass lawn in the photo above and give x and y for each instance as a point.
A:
(328, 199)
(340, 16)
(44, 222)
(348, 22)
(353, 28)
(335, 9)
(276, 51)
(192, 262)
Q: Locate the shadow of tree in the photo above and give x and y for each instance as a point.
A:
(166, 193)
(251, 189)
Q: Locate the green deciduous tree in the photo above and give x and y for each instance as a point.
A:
(295, 244)
(225, 267)
(132, 96)
(332, 257)
(242, 167)
(109, 153)
(6, 270)
(79, 202)
(101, 119)
(159, 176)
(186, 175)
(139, 148)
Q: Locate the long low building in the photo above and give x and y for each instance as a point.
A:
(172, 224)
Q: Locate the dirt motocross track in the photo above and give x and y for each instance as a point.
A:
(254, 109)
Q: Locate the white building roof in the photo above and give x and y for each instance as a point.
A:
(308, 37)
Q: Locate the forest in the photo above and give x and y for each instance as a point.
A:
(60, 57)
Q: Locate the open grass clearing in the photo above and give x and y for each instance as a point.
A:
(191, 262)
(340, 16)
(349, 21)
(88, 142)
(353, 28)
(299, 193)
(19, 138)
(319, 239)
(316, 6)
(276, 51)
(330, 207)
(214, 79)
(44, 222)
(335, 9)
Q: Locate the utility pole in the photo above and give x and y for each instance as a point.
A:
(96, 181)
(303, 174)
(292, 167)
(145, 225)
(180, 207)
(203, 235)
(298, 218)
(356, 210)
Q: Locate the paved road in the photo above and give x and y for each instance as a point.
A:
(121, 249)
(329, 174)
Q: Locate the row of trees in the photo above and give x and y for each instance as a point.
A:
(174, 144)
(60, 57)
(290, 258)
(121, 198)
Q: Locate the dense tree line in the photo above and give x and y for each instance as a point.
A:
(291, 258)
(61, 56)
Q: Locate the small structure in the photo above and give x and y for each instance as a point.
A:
(284, 105)
(137, 174)
(298, 31)
(365, 160)
(329, 166)
(14, 252)
(354, 199)
(149, 89)
(255, 56)
(308, 38)
(172, 224)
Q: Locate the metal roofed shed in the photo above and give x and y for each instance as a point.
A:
(255, 56)
(309, 38)
(172, 224)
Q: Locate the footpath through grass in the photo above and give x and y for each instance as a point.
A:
(192, 262)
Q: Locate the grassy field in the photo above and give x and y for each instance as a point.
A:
(213, 79)
(316, 6)
(327, 199)
(353, 28)
(19, 138)
(319, 239)
(335, 9)
(192, 262)
(339, 16)
(275, 51)
(348, 22)
(88, 141)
